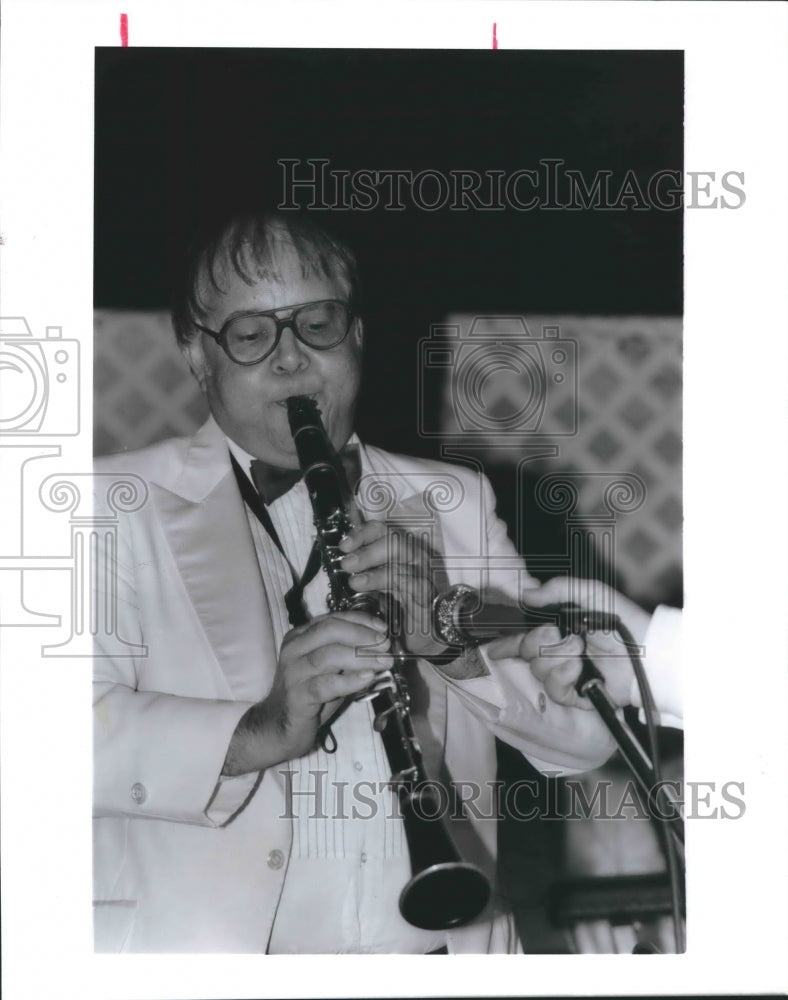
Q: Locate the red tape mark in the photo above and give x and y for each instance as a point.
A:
(495, 34)
(124, 30)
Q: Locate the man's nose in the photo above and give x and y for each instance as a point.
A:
(290, 354)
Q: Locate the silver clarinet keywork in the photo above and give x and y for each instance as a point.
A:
(444, 891)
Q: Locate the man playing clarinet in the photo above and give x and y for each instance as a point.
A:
(228, 816)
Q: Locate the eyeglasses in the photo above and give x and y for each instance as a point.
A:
(250, 338)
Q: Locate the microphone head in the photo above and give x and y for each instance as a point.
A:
(461, 618)
(447, 609)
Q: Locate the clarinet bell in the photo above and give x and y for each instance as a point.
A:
(445, 895)
(445, 891)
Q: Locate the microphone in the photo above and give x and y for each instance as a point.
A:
(462, 619)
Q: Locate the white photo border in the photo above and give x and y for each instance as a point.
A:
(736, 316)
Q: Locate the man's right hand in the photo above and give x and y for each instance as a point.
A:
(318, 663)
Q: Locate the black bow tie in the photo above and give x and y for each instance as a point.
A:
(272, 482)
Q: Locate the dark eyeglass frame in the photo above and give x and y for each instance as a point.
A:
(281, 323)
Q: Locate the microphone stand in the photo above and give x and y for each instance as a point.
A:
(591, 685)
(462, 620)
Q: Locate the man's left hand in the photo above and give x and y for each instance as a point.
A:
(389, 559)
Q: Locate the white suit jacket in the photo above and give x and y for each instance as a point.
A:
(185, 862)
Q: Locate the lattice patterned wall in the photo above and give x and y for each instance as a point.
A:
(611, 395)
(143, 390)
(626, 404)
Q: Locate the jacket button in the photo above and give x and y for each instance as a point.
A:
(138, 793)
(276, 859)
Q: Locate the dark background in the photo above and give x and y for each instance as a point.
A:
(185, 135)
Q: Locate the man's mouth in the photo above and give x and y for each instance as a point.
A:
(309, 395)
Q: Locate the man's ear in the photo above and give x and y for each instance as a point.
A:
(358, 332)
(195, 359)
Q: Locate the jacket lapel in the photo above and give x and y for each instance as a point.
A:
(206, 525)
(205, 522)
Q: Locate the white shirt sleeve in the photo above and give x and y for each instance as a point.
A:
(663, 662)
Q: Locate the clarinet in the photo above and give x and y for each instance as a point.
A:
(444, 891)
